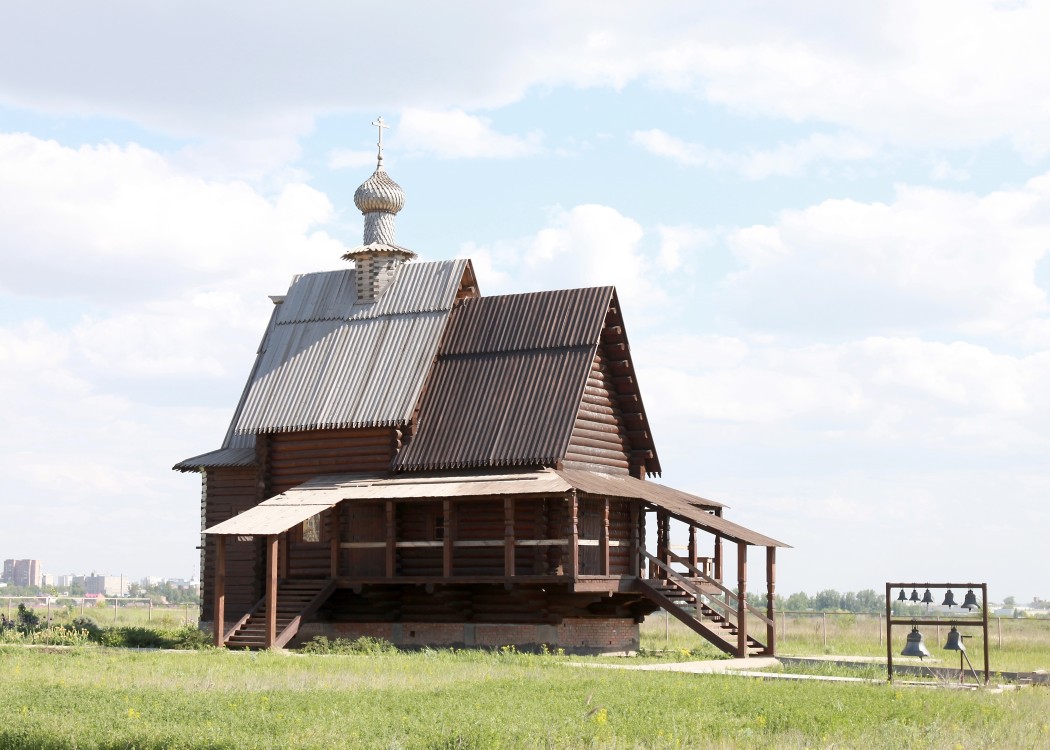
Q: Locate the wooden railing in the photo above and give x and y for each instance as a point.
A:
(728, 609)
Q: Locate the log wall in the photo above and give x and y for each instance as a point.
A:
(227, 492)
(599, 439)
(295, 457)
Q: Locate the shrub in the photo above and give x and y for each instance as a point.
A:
(89, 626)
(363, 646)
(189, 637)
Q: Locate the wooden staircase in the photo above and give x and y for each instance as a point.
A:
(713, 619)
(297, 599)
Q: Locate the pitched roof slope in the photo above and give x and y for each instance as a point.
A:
(331, 361)
(508, 379)
(328, 360)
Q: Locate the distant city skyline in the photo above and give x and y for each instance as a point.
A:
(827, 225)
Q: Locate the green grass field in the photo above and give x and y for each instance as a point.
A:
(1025, 642)
(114, 698)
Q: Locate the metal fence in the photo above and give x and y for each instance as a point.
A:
(125, 609)
(806, 624)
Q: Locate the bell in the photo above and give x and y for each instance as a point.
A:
(970, 600)
(927, 598)
(949, 599)
(914, 596)
(955, 641)
(915, 646)
(903, 597)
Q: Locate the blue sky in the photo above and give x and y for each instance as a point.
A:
(828, 224)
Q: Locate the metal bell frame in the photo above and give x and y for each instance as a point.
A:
(915, 645)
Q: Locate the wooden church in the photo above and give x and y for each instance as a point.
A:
(413, 461)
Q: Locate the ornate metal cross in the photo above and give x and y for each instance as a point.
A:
(382, 126)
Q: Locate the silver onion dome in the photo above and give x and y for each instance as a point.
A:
(379, 193)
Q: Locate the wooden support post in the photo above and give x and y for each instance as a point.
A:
(634, 555)
(605, 539)
(391, 540)
(741, 600)
(508, 537)
(333, 540)
(661, 544)
(574, 534)
(984, 628)
(220, 589)
(272, 554)
(718, 558)
(889, 634)
(284, 562)
(446, 550)
(641, 540)
(771, 588)
(692, 548)
(666, 525)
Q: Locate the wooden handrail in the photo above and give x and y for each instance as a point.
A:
(685, 584)
(728, 592)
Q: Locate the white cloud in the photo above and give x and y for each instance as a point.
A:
(118, 225)
(589, 245)
(937, 73)
(456, 135)
(930, 259)
(787, 159)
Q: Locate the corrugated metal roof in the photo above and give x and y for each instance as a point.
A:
(329, 362)
(521, 322)
(507, 383)
(510, 409)
(329, 490)
(242, 456)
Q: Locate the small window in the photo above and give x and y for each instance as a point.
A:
(439, 528)
(311, 529)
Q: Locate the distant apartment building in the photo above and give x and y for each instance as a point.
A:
(105, 585)
(22, 572)
(59, 581)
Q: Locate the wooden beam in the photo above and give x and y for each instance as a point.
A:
(283, 557)
(741, 600)
(718, 558)
(334, 540)
(272, 554)
(508, 536)
(605, 539)
(446, 553)
(219, 613)
(391, 540)
(692, 546)
(633, 567)
(574, 534)
(771, 589)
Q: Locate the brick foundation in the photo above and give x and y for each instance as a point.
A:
(574, 635)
